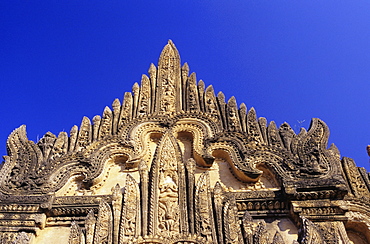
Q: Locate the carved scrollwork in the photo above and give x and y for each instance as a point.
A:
(309, 233)
(174, 137)
(27, 171)
(229, 150)
(310, 146)
(24, 157)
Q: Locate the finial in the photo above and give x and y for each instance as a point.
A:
(169, 80)
(243, 107)
(221, 96)
(185, 69)
(232, 101)
(152, 69)
(135, 88)
(116, 104)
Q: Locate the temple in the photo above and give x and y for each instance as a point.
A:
(174, 163)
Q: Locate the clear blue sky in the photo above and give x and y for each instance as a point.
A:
(290, 60)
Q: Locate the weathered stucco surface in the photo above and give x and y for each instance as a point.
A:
(174, 163)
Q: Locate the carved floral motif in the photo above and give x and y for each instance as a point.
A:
(173, 114)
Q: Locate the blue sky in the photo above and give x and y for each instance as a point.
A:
(290, 60)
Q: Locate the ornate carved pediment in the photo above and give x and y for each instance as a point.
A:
(169, 98)
(174, 163)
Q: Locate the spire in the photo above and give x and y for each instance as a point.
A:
(169, 80)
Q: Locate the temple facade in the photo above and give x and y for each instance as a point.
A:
(174, 163)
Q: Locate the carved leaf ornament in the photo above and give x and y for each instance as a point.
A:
(46, 166)
(169, 136)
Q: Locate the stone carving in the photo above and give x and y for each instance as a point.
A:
(46, 144)
(260, 235)
(96, 122)
(72, 138)
(218, 196)
(204, 211)
(310, 233)
(190, 165)
(355, 180)
(248, 228)
(135, 94)
(201, 90)
(233, 117)
(329, 232)
(231, 223)
(23, 238)
(144, 103)
(195, 169)
(26, 157)
(84, 136)
(76, 236)
(14, 237)
(90, 227)
(169, 80)
(153, 80)
(60, 147)
(278, 239)
(192, 93)
(253, 128)
(184, 77)
(117, 207)
(126, 111)
(222, 106)
(103, 226)
(106, 123)
(130, 212)
(309, 147)
(116, 105)
(168, 190)
(274, 136)
(210, 102)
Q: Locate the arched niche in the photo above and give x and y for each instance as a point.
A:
(74, 186)
(268, 179)
(114, 171)
(185, 140)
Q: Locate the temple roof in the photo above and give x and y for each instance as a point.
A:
(169, 98)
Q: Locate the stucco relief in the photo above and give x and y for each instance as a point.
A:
(175, 163)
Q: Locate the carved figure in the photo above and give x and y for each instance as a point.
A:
(195, 169)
